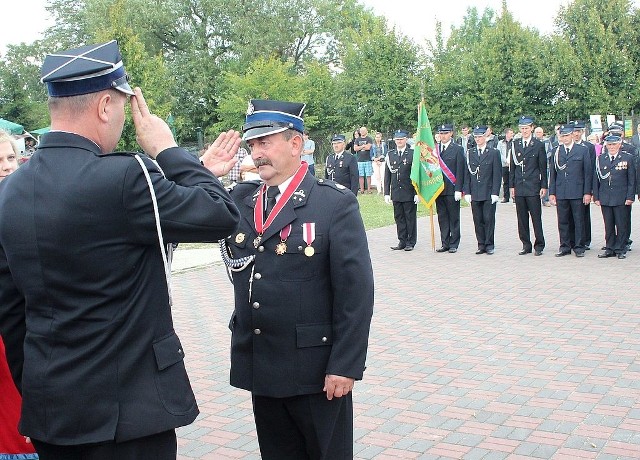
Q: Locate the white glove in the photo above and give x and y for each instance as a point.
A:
(387, 199)
(467, 198)
(457, 196)
(416, 199)
(494, 199)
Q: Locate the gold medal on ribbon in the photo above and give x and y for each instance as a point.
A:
(240, 238)
(256, 241)
(281, 248)
(309, 251)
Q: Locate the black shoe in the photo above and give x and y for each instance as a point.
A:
(442, 249)
(606, 255)
(480, 251)
(524, 251)
(490, 251)
(603, 248)
(622, 256)
(504, 201)
(409, 248)
(587, 248)
(562, 254)
(538, 252)
(579, 254)
(453, 250)
(398, 247)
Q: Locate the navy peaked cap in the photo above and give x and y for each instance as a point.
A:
(525, 120)
(480, 130)
(579, 124)
(612, 139)
(266, 117)
(566, 129)
(338, 138)
(400, 134)
(615, 126)
(85, 70)
(445, 128)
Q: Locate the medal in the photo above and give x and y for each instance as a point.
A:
(309, 236)
(281, 247)
(256, 241)
(240, 238)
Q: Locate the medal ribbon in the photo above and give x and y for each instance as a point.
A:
(285, 232)
(309, 232)
(258, 213)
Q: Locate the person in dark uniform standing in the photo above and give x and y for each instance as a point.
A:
(342, 167)
(570, 189)
(399, 189)
(448, 202)
(614, 190)
(528, 182)
(303, 286)
(578, 134)
(482, 188)
(85, 305)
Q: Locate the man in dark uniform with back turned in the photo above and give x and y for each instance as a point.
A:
(528, 182)
(399, 189)
(84, 299)
(342, 167)
(448, 202)
(303, 287)
(570, 188)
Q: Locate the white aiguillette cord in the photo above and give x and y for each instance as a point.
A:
(165, 250)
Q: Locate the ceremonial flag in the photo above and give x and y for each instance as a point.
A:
(426, 173)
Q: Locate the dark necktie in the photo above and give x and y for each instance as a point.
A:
(612, 158)
(272, 193)
(480, 152)
(525, 144)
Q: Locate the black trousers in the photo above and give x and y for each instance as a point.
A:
(505, 183)
(530, 206)
(617, 228)
(307, 427)
(405, 213)
(448, 220)
(587, 225)
(161, 446)
(484, 221)
(571, 225)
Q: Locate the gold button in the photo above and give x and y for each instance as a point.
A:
(324, 339)
(256, 331)
(256, 305)
(257, 276)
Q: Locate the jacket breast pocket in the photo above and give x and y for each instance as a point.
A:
(300, 262)
(172, 383)
(313, 343)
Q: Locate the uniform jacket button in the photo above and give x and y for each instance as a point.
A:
(324, 339)
(256, 331)
(257, 276)
(256, 305)
(261, 249)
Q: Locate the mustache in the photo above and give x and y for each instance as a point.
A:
(262, 162)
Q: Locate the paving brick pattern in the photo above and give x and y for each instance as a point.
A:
(470, 357)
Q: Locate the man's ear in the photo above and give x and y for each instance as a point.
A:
(296, 144)
(104, 106)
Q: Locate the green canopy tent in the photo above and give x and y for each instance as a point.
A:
(41, 131)
(11, 127)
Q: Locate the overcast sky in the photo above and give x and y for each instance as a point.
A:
(414, 18)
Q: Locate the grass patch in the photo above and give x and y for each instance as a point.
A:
(376, 213)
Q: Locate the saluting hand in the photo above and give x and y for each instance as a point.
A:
(152, 133)
(220, 156)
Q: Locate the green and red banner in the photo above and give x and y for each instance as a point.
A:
(426, 173)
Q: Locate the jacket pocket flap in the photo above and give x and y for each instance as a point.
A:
(168, 351)
(314, 335)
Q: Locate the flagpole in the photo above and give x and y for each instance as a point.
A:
(433, 231)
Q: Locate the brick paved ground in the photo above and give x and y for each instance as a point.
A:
(471, 356)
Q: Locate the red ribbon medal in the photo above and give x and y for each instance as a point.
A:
(309, 236)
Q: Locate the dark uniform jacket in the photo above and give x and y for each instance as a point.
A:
(298, 318)
(576, 178)
(530, 175)
(453, 157)
(592, 158)
(397, 176)
(487, 174)
(620, 185)
(79, 255)
(343, 171)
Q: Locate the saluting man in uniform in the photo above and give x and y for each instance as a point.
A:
(528, 182)
(303, 286)
(570, 188)
(85, 308)
(614, 189)
(399, 189)
(448, 202)
(342, 167)
(482, 188)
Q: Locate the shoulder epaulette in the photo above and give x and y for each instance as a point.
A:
(333, 185)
